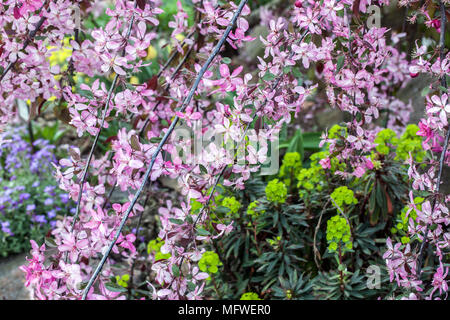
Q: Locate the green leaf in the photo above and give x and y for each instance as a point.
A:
(203, 232)
(87, 94)
(203, 170)
(226, 60)
(115, 287)
(175, 270)
(296, 144)
(155, 140)
(311, 141)
(340, 63)
(176, 221)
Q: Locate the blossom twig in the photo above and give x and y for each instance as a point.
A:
(27, 41)
(445, 146)
(94, 145)
(186, 102)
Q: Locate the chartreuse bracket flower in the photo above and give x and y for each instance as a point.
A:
(343, 195)
(154, 246)
(232, 204)
(338, 234)
(337, 131)
(250, 296)
(252, 209)
(275, 243)
(209, 263)
(123, 280)
(409, 142)
(385, 140)
(404, 218)
(276, 191)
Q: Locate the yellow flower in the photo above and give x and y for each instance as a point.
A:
(134, 80)
(151, 53)
(180, 37)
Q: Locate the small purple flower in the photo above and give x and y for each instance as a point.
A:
(49, 189)
(31, 207)
(48, 201)
(35, 184)
(24, 196)
(64, 197)
(5, 228)
(51, 214)
(40, 218)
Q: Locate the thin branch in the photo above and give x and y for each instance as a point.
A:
(186, 102)
(316, 251)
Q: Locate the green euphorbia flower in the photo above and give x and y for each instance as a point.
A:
(232, 204)
(276, 191)
(250, 296)
(209, 262)
(154, 246)
(343, 195)
(338, 232)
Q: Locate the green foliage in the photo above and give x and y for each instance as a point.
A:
(343, 195)
(232, 204)
(123, 280)
(385, 139)
(250, 296)
(338, 234)
(276, 191)
(291, 166)
(409, 142)
(209, 262)
(294, 243)
(154, 247)
(252, 209)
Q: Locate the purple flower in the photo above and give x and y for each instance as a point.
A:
(35, 184)
(51, 214)
(24, 196)
(5, 228)
(40, 218)
(49, 189)
(31, 207)
(64, 197)
(48, 201)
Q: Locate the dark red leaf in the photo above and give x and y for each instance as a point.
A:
(152, 83)
(141, 4)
